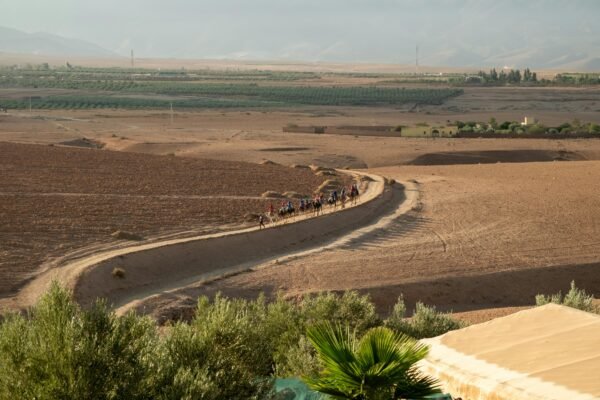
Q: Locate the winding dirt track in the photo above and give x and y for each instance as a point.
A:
(165, 266)
(482, 239)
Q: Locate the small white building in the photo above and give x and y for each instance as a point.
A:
(528, 121)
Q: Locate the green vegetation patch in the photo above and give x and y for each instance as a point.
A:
(99, 88)
(231, 349)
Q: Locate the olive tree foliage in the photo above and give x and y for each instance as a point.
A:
(59, 351)
(575, 298)
(232, 348)
(425, 322)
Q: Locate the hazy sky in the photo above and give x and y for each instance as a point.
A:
(317, 30)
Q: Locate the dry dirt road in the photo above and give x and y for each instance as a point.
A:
(486, 236)
(61, 203)
(483, 237)
(155, 269)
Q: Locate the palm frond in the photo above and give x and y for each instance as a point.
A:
(416, 386)
(381, 364)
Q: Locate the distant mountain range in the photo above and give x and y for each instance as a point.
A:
(544, 57)
(537, 43)
(14, 41)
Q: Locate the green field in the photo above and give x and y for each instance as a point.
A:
(135, 88)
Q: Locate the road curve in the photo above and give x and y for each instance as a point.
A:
(161, 266)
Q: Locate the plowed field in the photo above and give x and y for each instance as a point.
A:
(61, 201)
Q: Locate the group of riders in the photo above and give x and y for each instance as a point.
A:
(315, 205)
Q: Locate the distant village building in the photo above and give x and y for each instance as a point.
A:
(528, 121)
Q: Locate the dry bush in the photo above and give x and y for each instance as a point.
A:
(118, 272)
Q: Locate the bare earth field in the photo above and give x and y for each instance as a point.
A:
(254, 136)
(58, 203)
(482, 237)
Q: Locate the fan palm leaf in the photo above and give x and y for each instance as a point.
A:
(378, 366)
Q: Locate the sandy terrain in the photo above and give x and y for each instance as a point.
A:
(59, 203)
(254, 136)
(483, 237)
(153, 270)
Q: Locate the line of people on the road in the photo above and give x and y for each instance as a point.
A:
(315, 204)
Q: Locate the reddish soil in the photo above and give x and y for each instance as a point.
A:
(60, 200)
(484, 241)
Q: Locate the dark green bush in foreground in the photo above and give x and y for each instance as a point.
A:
(60, 352)
(232, 349)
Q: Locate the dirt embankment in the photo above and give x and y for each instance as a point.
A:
(63, 201)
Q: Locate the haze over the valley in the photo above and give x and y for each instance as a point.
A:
(456, 33)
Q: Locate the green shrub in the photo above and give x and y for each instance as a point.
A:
(575, 297)
(296, 356)
(211, 363)
(350, 309)
(536, 129)
(62, 352)
(514, 126)
(233, 348)
(594, 128)
(426, 321)
(298, 360)
(505, 125)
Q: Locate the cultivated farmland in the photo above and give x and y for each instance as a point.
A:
(55, 200)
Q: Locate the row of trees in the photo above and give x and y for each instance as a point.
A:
(69, 70)
(245, 92)
(493, 77)
(232, 349)
(512, 76)
(526, 77)
(513, 127)
(578, 79)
